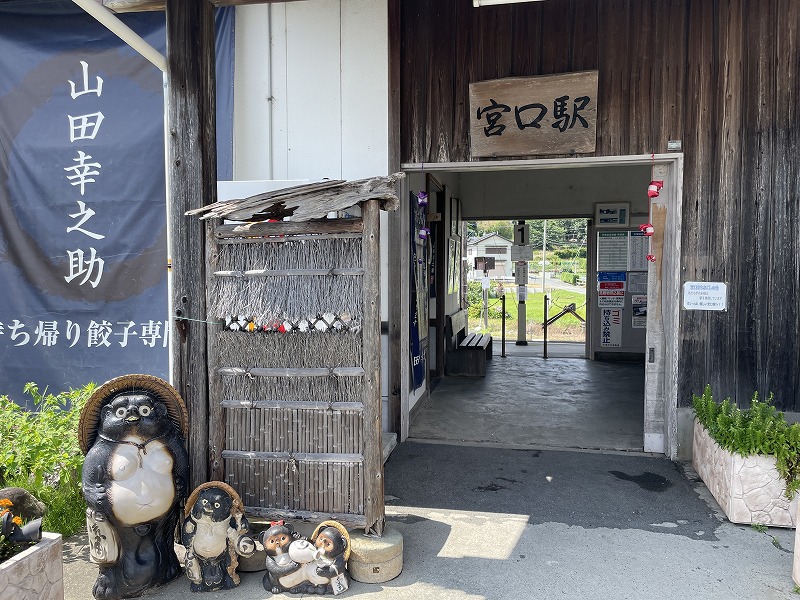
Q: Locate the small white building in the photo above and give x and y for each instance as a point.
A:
(495, 246)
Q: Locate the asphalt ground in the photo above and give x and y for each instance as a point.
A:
(482, 522)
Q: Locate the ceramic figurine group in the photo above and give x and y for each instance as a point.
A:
(132, 431)
(298, 565)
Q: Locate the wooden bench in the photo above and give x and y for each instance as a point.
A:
(466, 353)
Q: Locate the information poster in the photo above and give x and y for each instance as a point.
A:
(639, 311)
(705, 295)
(611, 327)
(611, 289)
(638, 249)
(612, 251)
(637, 283)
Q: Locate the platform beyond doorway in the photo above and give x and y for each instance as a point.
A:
(536, 402)
(536, 349)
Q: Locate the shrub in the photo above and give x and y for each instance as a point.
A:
(569, 277)
(570, 252)
(760, 429)
(42, 444)
(474, 293)
(39, 452)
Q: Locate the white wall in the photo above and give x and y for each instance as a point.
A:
(311, 95)
(311, 98)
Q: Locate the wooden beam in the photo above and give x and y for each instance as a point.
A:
(269, 231)
(192, 183)
(245, 2)
(396, 243)
(374, 507)
(217, 415)
(120, 6)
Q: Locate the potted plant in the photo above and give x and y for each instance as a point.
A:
(748, 458)
(30, 561)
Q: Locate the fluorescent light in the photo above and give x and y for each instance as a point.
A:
(477, 3)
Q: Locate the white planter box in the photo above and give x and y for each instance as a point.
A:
(748, 488)
(35, 574)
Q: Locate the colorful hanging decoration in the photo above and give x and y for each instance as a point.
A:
(654, 188)
(422, 198)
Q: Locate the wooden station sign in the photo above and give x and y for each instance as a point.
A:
(524, 116)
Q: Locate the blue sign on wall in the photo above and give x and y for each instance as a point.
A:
(83, 233)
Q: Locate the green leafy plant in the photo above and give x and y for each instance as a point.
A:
(42, 444)
(39, 452)
(759, 429)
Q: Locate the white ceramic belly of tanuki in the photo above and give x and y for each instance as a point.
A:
(211, 538)
(142, 488)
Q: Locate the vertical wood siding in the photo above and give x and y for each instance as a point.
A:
(720, 75)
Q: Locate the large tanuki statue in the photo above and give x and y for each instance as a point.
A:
(135, 476)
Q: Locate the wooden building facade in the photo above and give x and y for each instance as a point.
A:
(720, 76)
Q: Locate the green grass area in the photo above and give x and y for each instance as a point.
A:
(567, 328)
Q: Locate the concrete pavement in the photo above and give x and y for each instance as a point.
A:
(487, 522)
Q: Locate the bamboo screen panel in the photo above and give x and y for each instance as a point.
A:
(287, 373)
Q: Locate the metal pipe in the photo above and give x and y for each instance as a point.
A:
(503, 321)
(125, 33)
(545, 325)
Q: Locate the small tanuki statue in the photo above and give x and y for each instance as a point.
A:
(132, 430)
(214, 532)
(300, 566)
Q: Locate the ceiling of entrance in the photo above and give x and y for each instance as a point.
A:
(548, 193)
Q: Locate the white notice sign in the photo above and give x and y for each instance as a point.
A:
(638, 249)
(521, 253)
(611, 327)
(612, 251)
(521, 273)
(705, 295)
(611, 301)
(637, 283)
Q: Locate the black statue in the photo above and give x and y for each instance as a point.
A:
(134, 480)
(214, 532)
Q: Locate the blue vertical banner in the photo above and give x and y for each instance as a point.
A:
(418, 301)
(83, 232)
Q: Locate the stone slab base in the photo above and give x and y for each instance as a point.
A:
(376, 559)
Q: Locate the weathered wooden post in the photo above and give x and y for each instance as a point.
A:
(191, 172)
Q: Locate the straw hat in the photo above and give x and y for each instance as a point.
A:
(238, 506)
(163, 391)
(336, 525)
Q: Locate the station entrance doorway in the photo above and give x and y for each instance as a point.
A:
(624, 381)
(526, 283)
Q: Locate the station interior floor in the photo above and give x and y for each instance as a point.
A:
(526, 400)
